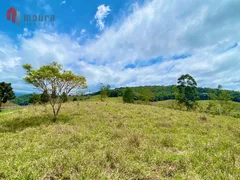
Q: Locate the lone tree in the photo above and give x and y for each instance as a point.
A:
(104, 91)
(54, 81)
(128, 96)
(6, 93)
(186, 91)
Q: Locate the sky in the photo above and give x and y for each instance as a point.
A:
(125, 42)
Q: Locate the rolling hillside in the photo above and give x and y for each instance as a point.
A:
(110, 140)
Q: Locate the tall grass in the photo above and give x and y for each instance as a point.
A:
(109, 140)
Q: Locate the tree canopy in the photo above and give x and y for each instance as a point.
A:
(54, 81)
(104, 91)
(128, 96)
(186, 91)
(6, 93)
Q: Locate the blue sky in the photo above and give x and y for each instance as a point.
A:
(126, 42)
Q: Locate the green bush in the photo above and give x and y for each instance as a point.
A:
(128, 96)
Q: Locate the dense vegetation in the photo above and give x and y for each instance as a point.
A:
(168, 92)
(22, 100)
(159, 93)
(186, 92)
(6, 93)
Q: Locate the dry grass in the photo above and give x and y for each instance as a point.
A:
(110, 140)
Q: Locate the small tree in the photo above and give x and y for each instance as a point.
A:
(104, 91)
(146, 94)
(186, 91)
(6, 93)
(128, 96)
(64, 97)
(220, 86)
(54, 81)
(221, 103)
(34, 99)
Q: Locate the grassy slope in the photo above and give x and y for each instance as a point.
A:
(108, 140)
(9, 104)
(171, 103)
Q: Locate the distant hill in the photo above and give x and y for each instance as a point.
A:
(19, 94)
(22, 100)
(167, 92)
(159, 93)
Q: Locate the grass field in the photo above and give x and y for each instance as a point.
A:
(111, 140)
(9, 105)
(171, 104)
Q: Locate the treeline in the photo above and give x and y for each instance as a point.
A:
(22, 100)
(151, 93)
(160, 93)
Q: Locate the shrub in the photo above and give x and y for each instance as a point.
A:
(128, 96)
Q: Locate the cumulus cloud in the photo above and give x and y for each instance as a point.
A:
(63, 2)
(41, 49)
(202, 29)
(26, 32)
(101, 14)
(196, 37)
(83, 31)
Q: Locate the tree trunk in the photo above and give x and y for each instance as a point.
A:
(54, 118)
(0, 106)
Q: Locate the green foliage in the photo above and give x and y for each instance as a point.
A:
(146, 94)
(44, 98)
(75, 99)
(186, 91)
(104, 91)
(64, 97)
(168, 92)
(55, 82)
(6, 93)
(128, 96)
(35, 98)
(221, 104)
(220, 86)
(22, 100)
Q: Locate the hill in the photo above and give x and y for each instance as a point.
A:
(160, 93)
(22, 100)
(110, 140)
(157, 93)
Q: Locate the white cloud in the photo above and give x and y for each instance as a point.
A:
(101, 14)
(26, 32)
(83, 31)
(159, 29)
(63, 2)
(73, 32)
(42, 48)
(205, 30)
